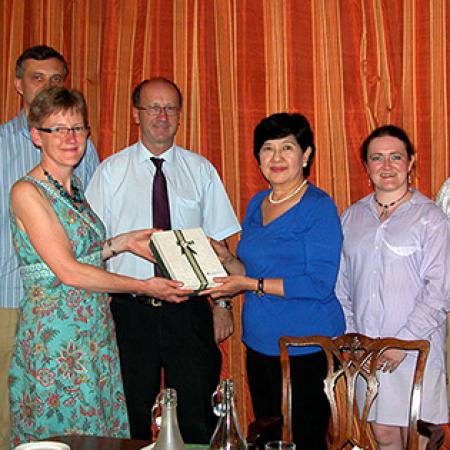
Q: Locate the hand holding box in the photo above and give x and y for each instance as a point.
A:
(187, 256)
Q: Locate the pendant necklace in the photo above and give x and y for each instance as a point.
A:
(386, 206)
(77, 199)
(281, 200)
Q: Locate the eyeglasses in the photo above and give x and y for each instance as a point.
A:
(65, 131)
(156, 110)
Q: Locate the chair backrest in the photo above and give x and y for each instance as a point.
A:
(350, 356)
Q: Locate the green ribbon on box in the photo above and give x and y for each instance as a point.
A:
(189, 252)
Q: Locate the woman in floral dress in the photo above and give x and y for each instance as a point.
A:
(65, 373)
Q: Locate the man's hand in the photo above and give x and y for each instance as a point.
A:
(223, 323)
(168, 290)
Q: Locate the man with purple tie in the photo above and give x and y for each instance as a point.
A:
(155, 183)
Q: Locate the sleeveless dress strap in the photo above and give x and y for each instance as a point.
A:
(51, 193)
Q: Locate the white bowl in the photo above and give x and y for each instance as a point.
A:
(43, 445)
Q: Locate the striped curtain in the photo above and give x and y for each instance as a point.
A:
(348, 65)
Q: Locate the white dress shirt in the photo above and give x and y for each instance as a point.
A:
(120, 192)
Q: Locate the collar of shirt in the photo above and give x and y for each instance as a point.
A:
(145, 154)
(22, 125)
(416, 198)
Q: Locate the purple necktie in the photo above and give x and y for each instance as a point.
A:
(160, 199)
(160, 202)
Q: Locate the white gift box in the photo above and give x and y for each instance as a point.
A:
(187, 256)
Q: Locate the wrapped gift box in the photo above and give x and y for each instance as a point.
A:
(187, 256)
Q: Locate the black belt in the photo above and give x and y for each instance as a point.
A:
(143, 299)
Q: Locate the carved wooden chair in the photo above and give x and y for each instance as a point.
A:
(350, 356)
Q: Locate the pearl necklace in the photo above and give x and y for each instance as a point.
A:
(281, 200)
(385, 206)
(77, 199)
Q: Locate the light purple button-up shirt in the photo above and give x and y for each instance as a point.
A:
(394, 278)
(443, 197)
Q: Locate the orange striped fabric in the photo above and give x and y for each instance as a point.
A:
(348, 65)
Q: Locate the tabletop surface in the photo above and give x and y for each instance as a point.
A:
(106, 443)
(100, 443)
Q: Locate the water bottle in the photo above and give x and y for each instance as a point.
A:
(227, 435)
(169, 437)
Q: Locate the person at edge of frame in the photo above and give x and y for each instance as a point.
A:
(36, 68)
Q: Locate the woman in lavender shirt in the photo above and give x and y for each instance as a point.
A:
(394, 281)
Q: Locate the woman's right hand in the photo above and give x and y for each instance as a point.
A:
(228, 260)
(390, 359)
(167, 290)
(224, 255)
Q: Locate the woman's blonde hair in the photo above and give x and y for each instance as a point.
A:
(53, 100)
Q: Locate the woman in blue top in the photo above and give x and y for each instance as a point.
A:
(288, 259)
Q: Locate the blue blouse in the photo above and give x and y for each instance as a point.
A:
(302, 247)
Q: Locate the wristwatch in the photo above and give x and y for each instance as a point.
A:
(260, 288)
(226, 304)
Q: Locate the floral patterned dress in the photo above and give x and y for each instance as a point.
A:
(65, 373)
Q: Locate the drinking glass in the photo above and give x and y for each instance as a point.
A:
(280, 445)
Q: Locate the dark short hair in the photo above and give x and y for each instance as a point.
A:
(387, 130)
(279, 126)
(40, 53)
(53, 100)
(136, 96)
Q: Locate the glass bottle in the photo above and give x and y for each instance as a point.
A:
(169, 437)
(227, 435)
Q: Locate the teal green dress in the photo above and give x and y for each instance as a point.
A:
(65, 373)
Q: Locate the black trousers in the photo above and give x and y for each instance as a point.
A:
(310, 407)
(179, 339)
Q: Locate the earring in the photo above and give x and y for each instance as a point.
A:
(305, 163)
(409, 178)
(369, 182)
